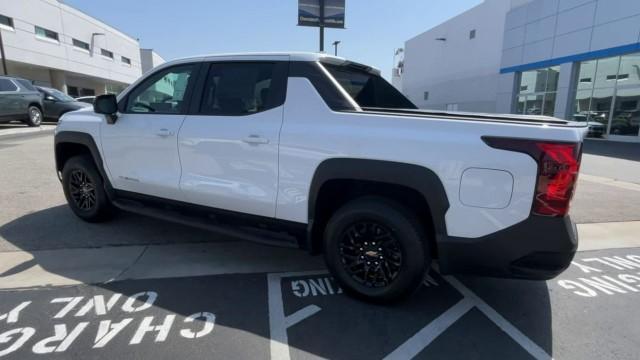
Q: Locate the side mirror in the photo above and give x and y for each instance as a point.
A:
(106, 105)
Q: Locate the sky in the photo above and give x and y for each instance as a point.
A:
(174, 29)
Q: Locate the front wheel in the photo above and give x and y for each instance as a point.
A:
(84, 190)
(35, 116)
(376, 249)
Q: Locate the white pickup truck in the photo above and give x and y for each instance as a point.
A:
(322, 153)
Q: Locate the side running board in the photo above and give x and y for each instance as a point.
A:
(252, 234)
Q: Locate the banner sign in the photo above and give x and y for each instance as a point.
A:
(326, 13)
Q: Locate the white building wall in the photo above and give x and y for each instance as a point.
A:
(548, 29)
(23, 46)
(460, 72)
(150, 59)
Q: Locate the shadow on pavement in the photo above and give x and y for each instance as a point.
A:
(620, 150)
(58, 228)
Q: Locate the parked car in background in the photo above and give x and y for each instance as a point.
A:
(19, 100)
(596, 129)
(86, 99)
(56, 103)
(626, 123)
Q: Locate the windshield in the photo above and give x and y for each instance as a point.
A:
(59, 95)
(368, 90)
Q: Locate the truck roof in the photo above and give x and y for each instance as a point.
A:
(292, 55)
(282, 56)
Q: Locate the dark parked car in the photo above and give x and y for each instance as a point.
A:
(57, 103)
(19, 100)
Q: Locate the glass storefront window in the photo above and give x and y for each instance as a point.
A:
(607, 72)
(521, 103)
(534, 105)
(601, 102)
(608, 91)
(549, 104)
(629, 74)
(582, 104)
(537, 91)
(626, 113)
(586, 75)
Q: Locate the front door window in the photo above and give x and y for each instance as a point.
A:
(162, 93)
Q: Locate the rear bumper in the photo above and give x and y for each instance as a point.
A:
(539, 248)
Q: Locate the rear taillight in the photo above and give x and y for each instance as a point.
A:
(558, 167)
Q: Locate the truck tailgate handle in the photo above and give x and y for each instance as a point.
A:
(255, 139)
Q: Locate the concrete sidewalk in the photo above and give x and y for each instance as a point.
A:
(12, 130)
(21, 269)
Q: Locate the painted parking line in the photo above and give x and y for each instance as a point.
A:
(526, 343)
(424, 337)
(278, 323)
(317, 287)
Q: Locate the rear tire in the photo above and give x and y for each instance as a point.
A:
(34, 116)
(84, 189)
(376, 249)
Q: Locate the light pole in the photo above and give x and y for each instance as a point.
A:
(335, 45)
(321, 26)
(4, 58)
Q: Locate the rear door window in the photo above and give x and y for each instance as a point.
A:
(26, 85)
(241, 88)
(7, 85)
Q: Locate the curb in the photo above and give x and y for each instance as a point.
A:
(604, 236)
(24, 132)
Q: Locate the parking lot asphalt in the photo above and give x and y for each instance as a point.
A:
(142, 288)
(590, 311)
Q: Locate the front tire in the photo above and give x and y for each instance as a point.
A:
(84, 189)
(35, 116)
(376, 249)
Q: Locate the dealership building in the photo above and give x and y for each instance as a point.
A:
(573, 59)
(56, 45)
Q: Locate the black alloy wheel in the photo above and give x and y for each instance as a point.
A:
(82, 190)
(376, 249)
(85, 190)
(370, 253)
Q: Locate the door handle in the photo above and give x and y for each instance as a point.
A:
(255, 139)
(164, 133)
